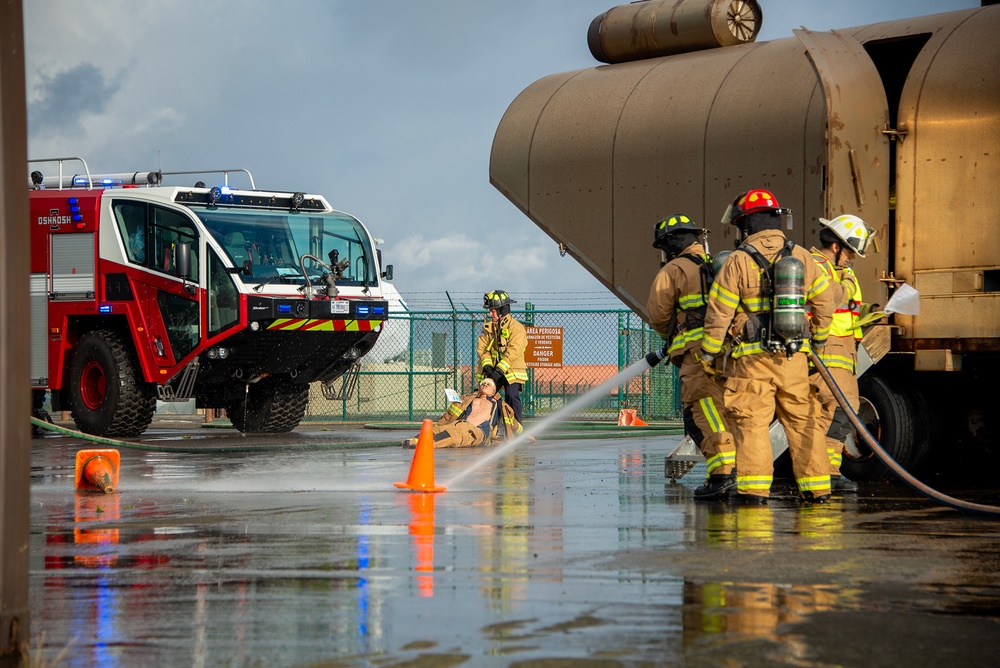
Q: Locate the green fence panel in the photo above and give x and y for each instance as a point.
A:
(438, 351)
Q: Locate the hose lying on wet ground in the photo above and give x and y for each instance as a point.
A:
(578, 432)
(902, 473)
(102, 440)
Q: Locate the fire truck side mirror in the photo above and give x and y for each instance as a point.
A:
(248, 267)
(386, 270)
(182, 259)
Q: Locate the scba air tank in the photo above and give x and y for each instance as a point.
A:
(788, 311)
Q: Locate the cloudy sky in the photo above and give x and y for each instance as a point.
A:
(386, 107)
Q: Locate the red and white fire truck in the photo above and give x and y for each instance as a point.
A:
(235, 298)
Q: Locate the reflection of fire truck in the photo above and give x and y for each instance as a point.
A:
(235, 298)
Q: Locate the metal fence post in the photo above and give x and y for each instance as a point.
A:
(646, 377)
(454, 344)
(622, 333)
(529, 396)
(410, 385)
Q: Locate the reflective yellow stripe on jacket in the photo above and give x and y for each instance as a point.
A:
(845, 317)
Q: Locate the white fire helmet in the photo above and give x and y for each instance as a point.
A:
(851, 230)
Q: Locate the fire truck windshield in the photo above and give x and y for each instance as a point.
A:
(274, 241)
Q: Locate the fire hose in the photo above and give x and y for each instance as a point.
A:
(887, 459)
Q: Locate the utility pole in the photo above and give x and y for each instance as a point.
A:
(15, 404)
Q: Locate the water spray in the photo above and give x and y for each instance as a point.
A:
(622, 377)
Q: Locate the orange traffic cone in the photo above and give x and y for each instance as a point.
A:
(97, 469)
(421, 478)
(626, 417)
(639, 422)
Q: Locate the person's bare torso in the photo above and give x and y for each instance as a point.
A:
(482, 410)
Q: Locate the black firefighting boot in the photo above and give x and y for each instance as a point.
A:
(839, 484)
(717, 486)
(809, 497)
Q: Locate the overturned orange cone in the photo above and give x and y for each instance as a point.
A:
(628, 418)
(421, 478)
(97, 469)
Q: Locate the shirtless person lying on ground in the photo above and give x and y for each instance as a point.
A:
(472, 421)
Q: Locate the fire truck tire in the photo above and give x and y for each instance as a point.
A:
(271, 406)
(107, 394)
(893, 417)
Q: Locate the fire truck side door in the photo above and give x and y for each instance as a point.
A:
(179, 312)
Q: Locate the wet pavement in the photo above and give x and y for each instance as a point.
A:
(562, 552)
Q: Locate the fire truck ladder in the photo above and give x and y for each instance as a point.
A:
(342, 389)
(225, 173)
(181, 386)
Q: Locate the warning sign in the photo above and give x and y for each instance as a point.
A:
(545, 347)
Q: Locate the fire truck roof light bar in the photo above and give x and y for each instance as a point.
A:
(88, 180)
(37, 180)
(224, 172)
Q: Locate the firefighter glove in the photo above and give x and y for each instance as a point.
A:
(500, 380)
(488, 371)
(848, 278)
(708, 364)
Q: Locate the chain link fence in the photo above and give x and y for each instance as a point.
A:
(420, 353)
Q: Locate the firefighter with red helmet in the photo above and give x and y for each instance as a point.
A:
(500, 349)
(758, 299)
(676, 308)
(841, 239)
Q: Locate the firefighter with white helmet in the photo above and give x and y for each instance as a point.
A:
(759, 298)
(841, 239)
(500, 349)
(676, 308)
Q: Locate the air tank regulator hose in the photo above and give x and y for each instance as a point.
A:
(902, 473)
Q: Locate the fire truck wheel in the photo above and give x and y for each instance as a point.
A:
(897, 419)
(271, 406)
(108, 396)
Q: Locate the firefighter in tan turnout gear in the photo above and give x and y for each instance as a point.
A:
(758, 298)
(475, 420)
(840, 240)
(676, 308)
(500, 349)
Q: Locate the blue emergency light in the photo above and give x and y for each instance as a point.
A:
(284, 308)
(104, 308)
(363, 309)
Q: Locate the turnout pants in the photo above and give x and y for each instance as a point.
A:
(833, 425)
(458, 435)
(762, 385)
(704, 422)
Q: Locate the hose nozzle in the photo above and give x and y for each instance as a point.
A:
(657, 356)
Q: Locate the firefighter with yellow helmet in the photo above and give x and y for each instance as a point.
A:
(676, 308)
(841, 239)
(758, 299)
(500, 349)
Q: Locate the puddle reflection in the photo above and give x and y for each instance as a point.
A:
(566, 554)
(756, 609)
(422, 530)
